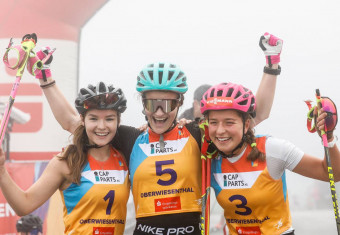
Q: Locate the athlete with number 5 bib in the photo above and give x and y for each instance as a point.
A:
(248, 175)
(90, 174)
(164, 161)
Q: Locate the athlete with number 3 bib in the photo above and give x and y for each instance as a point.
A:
(248, 175)
(90, 174)
(164, 162)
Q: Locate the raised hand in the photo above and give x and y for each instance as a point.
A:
(271, 46)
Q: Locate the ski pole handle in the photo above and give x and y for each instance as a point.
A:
(329, 166)
(27, 45)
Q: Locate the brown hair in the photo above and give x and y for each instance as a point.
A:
(75, 154)
(249, 138)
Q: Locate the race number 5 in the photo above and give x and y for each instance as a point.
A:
(171, 172)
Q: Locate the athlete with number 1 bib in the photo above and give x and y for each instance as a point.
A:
(90, 174)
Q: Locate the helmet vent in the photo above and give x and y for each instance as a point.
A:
(219, 93)
(238, 94)
(161, 65)
(230, 91)
(244, 102)
(160, 76)
(171, 73)
(150, 74)
(141, 75)
(212, 92)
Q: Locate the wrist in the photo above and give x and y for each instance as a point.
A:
(272, 71)
(274, 66)
(48, 84)
(332, 141)
(48, 80)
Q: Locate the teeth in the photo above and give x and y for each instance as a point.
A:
(102, 134)
(222, 139)
(160, 119)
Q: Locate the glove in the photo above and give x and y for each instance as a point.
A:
(271, 47)
(208, 149)
(45, 70)
(327, 119)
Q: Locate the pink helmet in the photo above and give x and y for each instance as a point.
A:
(228, 96)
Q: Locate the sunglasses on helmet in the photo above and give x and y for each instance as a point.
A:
(100, 101)
(167, 105)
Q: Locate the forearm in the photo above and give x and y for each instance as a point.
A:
(265, 96)
(15, 196)
(62, 110)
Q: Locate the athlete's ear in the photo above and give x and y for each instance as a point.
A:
(246, 125)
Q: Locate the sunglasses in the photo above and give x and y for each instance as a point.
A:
(166, 105)
(100, 101)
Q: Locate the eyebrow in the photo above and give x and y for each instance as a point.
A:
(225, 119)
(111, 115)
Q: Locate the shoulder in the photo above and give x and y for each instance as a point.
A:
(281, 154)
(58, 165)
(279, 148)
(194, 130)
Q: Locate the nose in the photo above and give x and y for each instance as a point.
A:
(220, 129)
(159, 111)
(101, 124)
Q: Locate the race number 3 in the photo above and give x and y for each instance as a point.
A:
(160, 171)
(245, 210)
(111, 197)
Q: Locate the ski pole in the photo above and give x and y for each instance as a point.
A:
(203, 197)
(329, 166)
(206, 157)
(207, 220)
(27, 45)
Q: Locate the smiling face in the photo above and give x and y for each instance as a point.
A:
(160, 121)
(100, 126)
(225, 130)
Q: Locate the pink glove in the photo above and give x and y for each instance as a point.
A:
(271, 47)
(45, 72)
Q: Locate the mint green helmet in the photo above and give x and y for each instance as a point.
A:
(162, 77)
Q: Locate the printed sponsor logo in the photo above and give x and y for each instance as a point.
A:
(101, 221)
(248, 230)
(247, 221)
(162, 231)
(103, 230)
(237, 180)
(222, 101)
(166, 192)
(170, 147)
(105, 176)
(167, 204)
